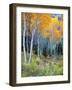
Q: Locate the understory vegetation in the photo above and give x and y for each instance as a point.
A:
(42, 66)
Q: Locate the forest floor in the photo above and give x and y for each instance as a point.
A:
(42, 66)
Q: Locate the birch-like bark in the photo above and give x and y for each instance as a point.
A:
(52, 39)
(27, 46)
(38, 44)
(24, 39)
(37, 25)
(33, 32)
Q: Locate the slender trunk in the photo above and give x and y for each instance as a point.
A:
(48, 47)
(24, 39)
(52, 40)
(27, 46)
(38, 44)
(33, 32)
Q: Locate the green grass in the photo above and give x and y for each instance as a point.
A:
(42, 67)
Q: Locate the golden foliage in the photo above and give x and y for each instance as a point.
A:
(45, 24)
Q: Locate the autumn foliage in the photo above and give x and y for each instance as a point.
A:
(46, 23)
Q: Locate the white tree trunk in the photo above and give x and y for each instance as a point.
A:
(24, 39)
(27, 47)
(33, 32)
(53, 41)
(38, 45)
(52, 36)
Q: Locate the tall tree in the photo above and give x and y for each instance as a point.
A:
(38, 45)
(24, 31)
(31, 46)
(37, 25)
(28, 22)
